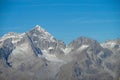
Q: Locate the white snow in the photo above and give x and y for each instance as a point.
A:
(50, 48)
(109, 44)
(15, 37)
(39, 28)
(67, 50)
(83, 47)
(50, 57)
(100, 53)
(22, 34)
(15, 41)
(20, 50)
(46, 35)
(34, 35)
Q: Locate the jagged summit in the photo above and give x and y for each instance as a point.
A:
(41, 33)
(111, 44)
(83, 41)
(37, 27)
(42, 30)
(12, 35)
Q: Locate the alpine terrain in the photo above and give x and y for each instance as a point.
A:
(37, 55)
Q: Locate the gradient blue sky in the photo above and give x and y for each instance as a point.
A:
(64, 19)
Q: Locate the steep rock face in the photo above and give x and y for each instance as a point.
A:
(21, 54)
(8, 43)
(35, 49)
(41, 38)
(45, 41)
(6, 49)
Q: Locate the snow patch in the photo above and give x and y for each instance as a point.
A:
(83, 47)
(50, 48)
(67, 50)
(20, 50)
(15, 41)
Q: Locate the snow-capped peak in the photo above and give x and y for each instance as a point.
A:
(109, 44)
(39, 28)
(42, 33)
(15, 37)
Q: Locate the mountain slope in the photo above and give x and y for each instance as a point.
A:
(37, 55)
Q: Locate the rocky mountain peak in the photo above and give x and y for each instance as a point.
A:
(37, 27)
(111, 44)
(83, 41)
(45, 41)
(11, 35)
(41, 33)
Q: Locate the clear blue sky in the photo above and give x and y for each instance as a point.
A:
(64, 19)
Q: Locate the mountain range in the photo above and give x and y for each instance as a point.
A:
(37, 55)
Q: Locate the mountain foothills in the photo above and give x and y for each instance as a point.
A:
(37, 55)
